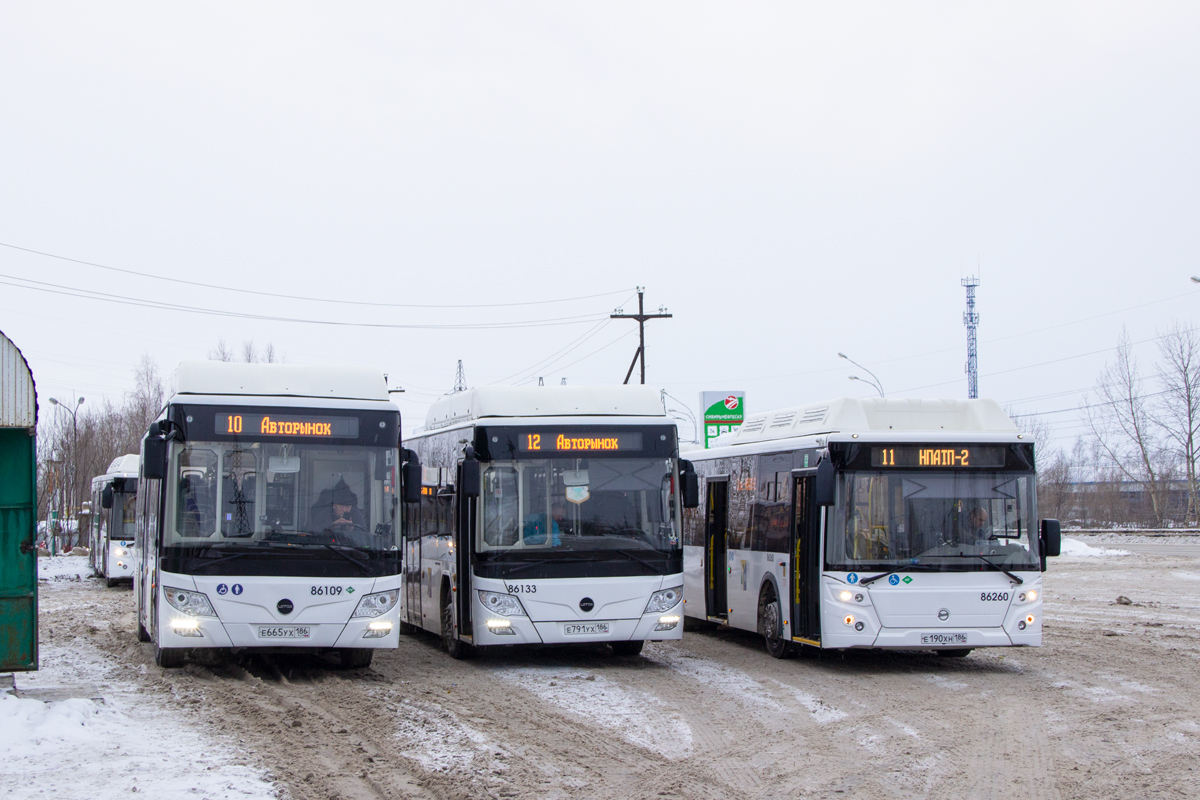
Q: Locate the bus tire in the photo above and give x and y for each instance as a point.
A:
(963, 653)
(169, 657)
(455, 647)
(355, 657)
(629, 648)
(142, 635)
(110, 582)
(770, 624)
(407, 629)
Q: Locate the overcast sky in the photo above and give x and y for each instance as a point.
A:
(790, 181)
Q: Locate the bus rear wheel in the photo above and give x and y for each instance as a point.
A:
(354, 657)
(169, 657)
(963, 653)
(456, 647)
(630, 648)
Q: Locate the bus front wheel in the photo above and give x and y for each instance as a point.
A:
(456, 647)
(966, 651)
(168, 657)
(770, 625)
(355, 657)
(630, 648)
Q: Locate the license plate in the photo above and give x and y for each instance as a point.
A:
(943, 638)
(585, 629)
(285, 632)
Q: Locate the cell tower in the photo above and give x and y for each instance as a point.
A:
(971, 320)
(460, 379)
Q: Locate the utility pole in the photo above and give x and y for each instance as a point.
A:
(971, 320)
(641, 318)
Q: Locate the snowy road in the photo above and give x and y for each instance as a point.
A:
(1105, 709)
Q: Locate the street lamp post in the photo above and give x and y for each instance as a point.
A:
(73, 411)
(876, 384)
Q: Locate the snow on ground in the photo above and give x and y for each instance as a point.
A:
(733, 682)
(1074, 547)
(79, 726)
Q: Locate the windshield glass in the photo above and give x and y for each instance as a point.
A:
(124, 516)
(946, 520)
(546, 507)
(285, 493)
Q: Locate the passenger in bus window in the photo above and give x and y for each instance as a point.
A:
(535, 526)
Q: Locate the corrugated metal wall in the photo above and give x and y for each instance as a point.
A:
(18, 400)
(18, 505)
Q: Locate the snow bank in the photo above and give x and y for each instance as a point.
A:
(64, 568)
(1074, 547)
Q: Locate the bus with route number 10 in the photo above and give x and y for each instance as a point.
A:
(268, 513)
(871, 523)
(548, 515)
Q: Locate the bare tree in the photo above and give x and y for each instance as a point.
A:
(221, 352)
(249, 353)
(1122, 426)
(1177, 406)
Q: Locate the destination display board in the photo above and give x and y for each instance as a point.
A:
(923, 456)
(234, 423)
(571, 441)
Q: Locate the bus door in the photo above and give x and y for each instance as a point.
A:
(806, 560)
(716, 571)
(413, 513)
(461, 582)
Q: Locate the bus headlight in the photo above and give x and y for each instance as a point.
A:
(377, 629)
(194, 603)
(187, 626)
(372, 605)
(846, 596)
(500, 626)
(1027, 597)
(664, 600)
(506, 605)
(118, 551)
(667, 623)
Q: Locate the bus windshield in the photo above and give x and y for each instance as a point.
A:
(299, 494)
(547, 507)
(124, 516)
(946, 520)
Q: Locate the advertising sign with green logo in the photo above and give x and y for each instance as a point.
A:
(723, 411)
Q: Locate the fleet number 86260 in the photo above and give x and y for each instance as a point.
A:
(1001, 597)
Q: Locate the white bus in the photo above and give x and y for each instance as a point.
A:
(871, 523)
(114, 497)
(548, 515)
(268, 513)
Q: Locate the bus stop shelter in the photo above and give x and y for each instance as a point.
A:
(18, 511)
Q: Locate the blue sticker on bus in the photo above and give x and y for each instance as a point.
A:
(222, 588)
(892, 579)
(237, 588)
(852, 577)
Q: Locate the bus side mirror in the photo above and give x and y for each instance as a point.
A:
(154, 457)
(824, 487)
(1051, 539)
(689, 483)
(469, 486)
(106, 497)
(410, 477)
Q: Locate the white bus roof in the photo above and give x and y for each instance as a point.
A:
(121, 467)
(227, 379)
(871, 415)
(545, 401)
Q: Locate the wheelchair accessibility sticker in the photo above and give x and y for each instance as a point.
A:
(222, 588)
(892, 579)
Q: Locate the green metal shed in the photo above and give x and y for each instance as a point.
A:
(18, 511)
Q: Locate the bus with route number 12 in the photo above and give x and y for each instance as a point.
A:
(268, 513)
(871, 523)
(548, 515)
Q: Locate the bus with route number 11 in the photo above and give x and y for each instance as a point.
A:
(548, 515)
(871, 523)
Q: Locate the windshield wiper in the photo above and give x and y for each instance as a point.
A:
(342, 552)
(914, 567)
(538, 561)
(639, 559)
(993, 565)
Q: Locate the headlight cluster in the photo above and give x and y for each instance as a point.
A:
(1027, 596)
(372, 605)
(194, 603)
(664, 599)
(846, 596)
(506, 605)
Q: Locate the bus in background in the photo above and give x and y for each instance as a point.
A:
(548, 515)
(267, 516)
(871, 523)
(114, 500)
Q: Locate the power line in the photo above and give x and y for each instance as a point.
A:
(88, 294)
(301, 297)
(641, 318)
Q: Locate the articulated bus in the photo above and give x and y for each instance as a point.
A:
(114, 500)
(873, 523)
(268, 513)
(548, 515)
